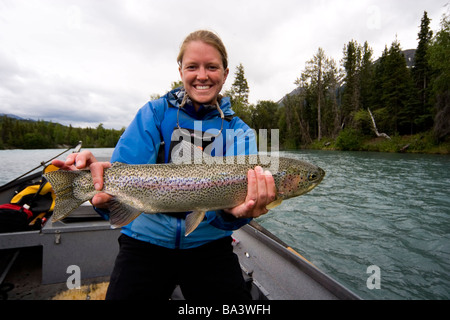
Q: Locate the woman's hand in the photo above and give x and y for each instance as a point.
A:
(261, 191)
(86, 160)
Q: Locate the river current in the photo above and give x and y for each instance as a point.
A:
(373, 211)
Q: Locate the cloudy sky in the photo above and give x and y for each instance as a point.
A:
(85, 62)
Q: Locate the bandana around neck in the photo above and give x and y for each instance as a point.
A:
(183, 99)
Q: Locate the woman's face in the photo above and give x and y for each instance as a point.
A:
(202, 73)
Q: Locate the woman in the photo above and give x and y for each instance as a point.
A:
(154, 254)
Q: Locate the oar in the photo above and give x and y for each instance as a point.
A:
(44, 163)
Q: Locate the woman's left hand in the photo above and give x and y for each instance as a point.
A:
(260, 192)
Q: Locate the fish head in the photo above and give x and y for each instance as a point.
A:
(298, 178)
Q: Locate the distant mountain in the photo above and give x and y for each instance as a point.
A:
(13, 116)
(296, 91)
(409, 56)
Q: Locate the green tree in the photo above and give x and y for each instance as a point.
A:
(332, 115)
(380, 73)
(42, 134)
(438, 56)
(176, 84)
(239, 88)
(294, 121)
(6, 129)
(239, 95)
(358, 66)
(265, 115)
(316, 80)
(351, 96)
(366, 75)
(393, 92)
(421, 74)
(34, 141)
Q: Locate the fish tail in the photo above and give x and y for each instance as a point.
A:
(62, 182)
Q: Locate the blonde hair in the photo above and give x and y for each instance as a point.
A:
(207, 37)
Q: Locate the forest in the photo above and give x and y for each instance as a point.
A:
(28, 134)
(397, 103)
(400, 102)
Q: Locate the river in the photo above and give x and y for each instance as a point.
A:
(385, 211)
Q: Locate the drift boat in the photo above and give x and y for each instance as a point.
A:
(273, 270)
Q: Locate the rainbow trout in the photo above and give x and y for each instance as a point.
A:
(168, 188)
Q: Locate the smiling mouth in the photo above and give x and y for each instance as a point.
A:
(202, 87)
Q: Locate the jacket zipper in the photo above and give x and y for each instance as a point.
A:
(178, 234)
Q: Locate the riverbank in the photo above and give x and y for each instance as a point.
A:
(350, 140)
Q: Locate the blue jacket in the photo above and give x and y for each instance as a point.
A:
(139, 144)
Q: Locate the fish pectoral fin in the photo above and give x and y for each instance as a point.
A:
(121, 214)
(274, 204)
(193, 220)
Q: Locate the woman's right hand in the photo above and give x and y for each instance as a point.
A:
(86, 160)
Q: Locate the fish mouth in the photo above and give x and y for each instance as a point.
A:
(321, 174)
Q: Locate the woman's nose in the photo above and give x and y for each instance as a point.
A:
(202, 74)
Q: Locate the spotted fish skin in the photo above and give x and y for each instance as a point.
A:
(164, 188)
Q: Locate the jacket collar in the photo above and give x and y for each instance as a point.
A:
(175, 98)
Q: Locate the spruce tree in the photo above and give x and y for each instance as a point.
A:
(366, 75)
(397, 91)
(239, 88)
(439, 55)
(239, 95)
(351, 95)
(421, 74)
(357, 63)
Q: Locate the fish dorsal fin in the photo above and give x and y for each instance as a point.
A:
(187, 153)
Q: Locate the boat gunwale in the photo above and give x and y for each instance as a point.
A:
(264, 236)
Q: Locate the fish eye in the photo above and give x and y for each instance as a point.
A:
(312, 176)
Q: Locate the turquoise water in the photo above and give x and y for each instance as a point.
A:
(14, 163)
(387, 210)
